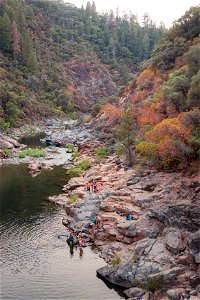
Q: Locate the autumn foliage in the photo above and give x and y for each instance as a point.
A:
(166, 103)
(170, 140)
(111, 112)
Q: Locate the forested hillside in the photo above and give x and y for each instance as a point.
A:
(55, 57)
(158, 114)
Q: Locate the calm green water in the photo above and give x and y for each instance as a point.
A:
(33, 141)
(35, 264)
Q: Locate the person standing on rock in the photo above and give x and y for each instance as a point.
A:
(81, 252)
(94, 185)
(70, 240)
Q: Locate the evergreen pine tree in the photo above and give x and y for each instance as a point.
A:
(15, 40)
(5, 34)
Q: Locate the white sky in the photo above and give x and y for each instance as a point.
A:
(166, 11)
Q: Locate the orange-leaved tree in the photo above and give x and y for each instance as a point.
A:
(171, 139)
(111, 112)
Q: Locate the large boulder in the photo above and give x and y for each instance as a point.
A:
(174, 240)
(34, 168)
(118, 276)
(127, 229)
(194, 243)
(179, 215)
(172, 295)
(15, 143)
(134, 292)
(74, 182)
(168, 276)
(133, 180)
(60, 199)
(5, 144)
(149, 227)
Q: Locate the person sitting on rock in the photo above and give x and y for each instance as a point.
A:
(88, 186)
(97, 187)
(94, 186)
(93, 222)
(129, 218)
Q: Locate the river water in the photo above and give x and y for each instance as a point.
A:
(35, 264)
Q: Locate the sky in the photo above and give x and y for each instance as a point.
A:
(158, 10)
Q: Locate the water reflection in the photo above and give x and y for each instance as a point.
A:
(33, 141)
(35, 264)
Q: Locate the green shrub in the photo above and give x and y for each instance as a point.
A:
(75, 154)
(148, 149)
(134, 259)
(116, 260)
(6, 126)
(101, 152)
(74, 172)
(192, 169)
(72, 199)
(70, 146)
(36, 152)
(6, 151)
(152, 284)
(72, 115)
(85, 164)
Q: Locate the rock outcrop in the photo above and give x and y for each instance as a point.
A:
(8, 146)
(147, 226)
(158, 247)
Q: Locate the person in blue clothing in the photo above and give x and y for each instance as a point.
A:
(94, 219)
(129, 218)
(70, 239)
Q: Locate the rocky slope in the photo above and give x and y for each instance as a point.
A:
(156, 254)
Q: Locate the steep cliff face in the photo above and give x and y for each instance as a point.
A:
(91, 81)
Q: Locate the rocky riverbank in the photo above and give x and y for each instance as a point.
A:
(155, 252)
(148, 228)
(58, 134)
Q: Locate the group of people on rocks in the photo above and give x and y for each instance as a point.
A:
(129, 217)
(76, 238)
(93, 186)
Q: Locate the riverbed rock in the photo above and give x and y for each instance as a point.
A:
(118, 276)
(160, 244)
(15, 143)
(34, 168)
(179, 215)
(74, 183)
(133, 180)
(60, 199)
(172, 295)
(194, 244)
(134, 292)
(127, 229)
(197, 258)
(5, 144)
(174, 240)
(107, 206)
